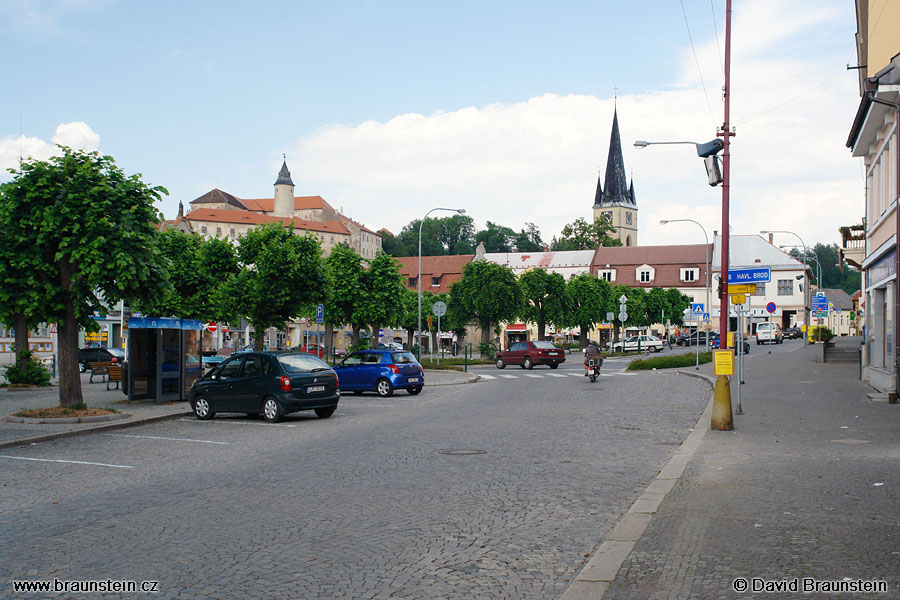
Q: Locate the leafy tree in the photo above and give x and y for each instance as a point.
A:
(382, 300)
(345, 288)
(834, 274)
(281, 277)
(636, 304)
(391, 244)
(591, 299)
(657, 305)
(496, 238)
(529, 239)
(581, 235)
(447, 235)
(90, 230)
(545, 299)
(678, 302)
(457, 234)
(487, 293)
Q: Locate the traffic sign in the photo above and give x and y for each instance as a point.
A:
(320, 313)
(439, 308)
(623, 299)
(770, 307)
(211, 327)
(53, 328)
(754, 275)
(706, 317)
(837, 311)
(610, 316)
(697, 308)
(738, 298)
(623, 316)
(742, 288)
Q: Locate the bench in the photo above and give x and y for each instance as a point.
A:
(101, 369)
(114, 373)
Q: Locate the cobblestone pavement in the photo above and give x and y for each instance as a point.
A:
(366, 504)
(807, 485)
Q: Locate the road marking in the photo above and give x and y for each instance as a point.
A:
(483, 376)
(74, 462)
(171, 439)
(576, 374)
(226, 422)
(534, 376)
(509, 376)
(555, 374)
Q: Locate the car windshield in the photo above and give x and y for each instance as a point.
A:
(403, 358)
(544, 345)
(301, 363)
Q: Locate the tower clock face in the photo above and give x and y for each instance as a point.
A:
(607, 214)
(627, 218)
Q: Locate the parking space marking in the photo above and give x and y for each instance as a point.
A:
(226, 422)
(555, 374)
(171, 439)
(74, 462)
(534, 376)
(509, 376)
(576, 374)
(483, 376)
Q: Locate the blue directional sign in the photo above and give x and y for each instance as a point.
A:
(706, 317)
(754, 275)
(320, 313)
(820, 303)
(697, 308)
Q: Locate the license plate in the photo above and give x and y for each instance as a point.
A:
(315, 388)
(413, 379)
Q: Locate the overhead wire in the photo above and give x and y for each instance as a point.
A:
(792, 99)
(712, 9)
(697, 61)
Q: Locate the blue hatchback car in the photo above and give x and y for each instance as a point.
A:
(380, 371)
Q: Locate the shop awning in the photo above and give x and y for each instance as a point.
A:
(516, 328)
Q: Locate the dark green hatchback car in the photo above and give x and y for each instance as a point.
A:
(272, 384)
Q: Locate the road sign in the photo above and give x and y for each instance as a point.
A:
(770, 307)
(738, 298)
(742, 288)
(697, 308)
(430, 322)
(439, 309)
(307, 320)
(211, 327)
(610, 316)
(754, 275)
(623, 299)
(723, 361)
(820, 293)
(837, 311)
(320, 313)
(623, 316)
(53, 328)
(706, 317)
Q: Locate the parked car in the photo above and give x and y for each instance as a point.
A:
(390, 346)
(269, 383)
(528, 354)
(314, 349)
(86, 356)
(705, 338)
(650, 343)
(381, 371)
(793, 333)
(769, 333)
(746, 345)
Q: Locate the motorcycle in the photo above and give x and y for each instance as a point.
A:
(594, 368)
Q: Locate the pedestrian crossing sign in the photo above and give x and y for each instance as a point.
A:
(697, 308)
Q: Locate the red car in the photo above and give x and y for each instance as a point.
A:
(317, 350)
(528, 354)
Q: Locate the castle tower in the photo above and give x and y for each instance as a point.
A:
(614, 200)
(284, 193)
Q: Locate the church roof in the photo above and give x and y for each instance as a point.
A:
(615, 189)
(284, 176)
(217, 196)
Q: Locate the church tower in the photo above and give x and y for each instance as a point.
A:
(614, 200)
(284, 193)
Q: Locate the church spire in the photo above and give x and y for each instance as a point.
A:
(284, 176)
(615, 186)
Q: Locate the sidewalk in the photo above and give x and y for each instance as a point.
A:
(806, 486)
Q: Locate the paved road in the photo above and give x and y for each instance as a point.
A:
(376, 502)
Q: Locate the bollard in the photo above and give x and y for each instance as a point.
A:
(721, 416)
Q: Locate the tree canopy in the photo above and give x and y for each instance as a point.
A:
(487, 293)
(545, 297)
(581, 235)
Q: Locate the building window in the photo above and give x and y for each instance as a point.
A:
(332, 240)
(689, 275)
(413, 281)
(646, 276)
(203, 230)
(760, 290)
(218, 231)
(435, 281)
(232, 233)
(609, 275)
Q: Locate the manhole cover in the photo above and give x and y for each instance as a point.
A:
(852, 441)
(462, 452)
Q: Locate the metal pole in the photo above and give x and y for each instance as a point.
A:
(419, 283)
(439, 340)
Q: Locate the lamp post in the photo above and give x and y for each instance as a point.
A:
(818, 275)
(461, 211)
(708, 308)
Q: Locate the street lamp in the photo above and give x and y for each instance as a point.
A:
(461, 211)
(806, 315)
(706, 237)
(706, 150)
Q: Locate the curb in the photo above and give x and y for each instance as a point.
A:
(594, 579)
(46, 437)
(66, 420)
(468, 379)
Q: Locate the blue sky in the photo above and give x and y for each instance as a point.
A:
(388, 109)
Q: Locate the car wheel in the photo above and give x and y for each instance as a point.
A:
(501, 364)
(384, 388)
(554, 365)
(325, 411)
(654, 349)
(528, 364)
(414, 390)
(201, 408)
(272, 411)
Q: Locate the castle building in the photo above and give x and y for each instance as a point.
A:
(614, 200)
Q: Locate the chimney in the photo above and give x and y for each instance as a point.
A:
(772, 238)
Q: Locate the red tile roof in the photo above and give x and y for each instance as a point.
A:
(448, 268)
(251, 218)
(300, 203)
(666, 260)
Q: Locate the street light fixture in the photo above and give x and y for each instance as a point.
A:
(707, 151)
(806, 316)
(461, 211)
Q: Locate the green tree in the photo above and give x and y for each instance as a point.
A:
(346, 287)
(590, 299)
(382, 300)
(636, 304)
(391, 244)
(282, 276)
(457, 234)
(834, 273)
(678, 302)
(496, 238)
(545, 299)
(581, 235)
(90, 228)
(657, 305)
(487, 293)
(529, 239)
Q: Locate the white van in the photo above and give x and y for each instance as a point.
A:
(769, 333)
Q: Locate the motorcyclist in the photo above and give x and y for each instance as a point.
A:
(592, 351)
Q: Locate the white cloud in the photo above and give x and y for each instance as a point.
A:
(75, 135)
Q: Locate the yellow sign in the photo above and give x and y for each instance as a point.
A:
(738, 298)
(803, 327)
(742, 288)
(723, 361)
(96, 336)
(731, 339)
(430, 322)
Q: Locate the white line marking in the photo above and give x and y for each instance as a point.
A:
(483, 376)
(576, 374)
(226, 422)
(555, 375)
(509, 376)
(74, 462)
(534, 376)
(171, 439)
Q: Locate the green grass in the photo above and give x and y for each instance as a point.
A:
(669, 362)
(452, 363)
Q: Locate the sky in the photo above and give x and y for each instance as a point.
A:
(388, 109)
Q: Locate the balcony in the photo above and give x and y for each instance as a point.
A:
(853, 244)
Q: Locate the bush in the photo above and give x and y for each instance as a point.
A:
(669, 362)
(814, 331)
(490, 350)
(35, 372)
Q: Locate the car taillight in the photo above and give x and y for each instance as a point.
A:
(285, 384)
(336, 380)
(394, 369)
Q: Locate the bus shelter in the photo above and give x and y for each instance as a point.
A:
(163, 358)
